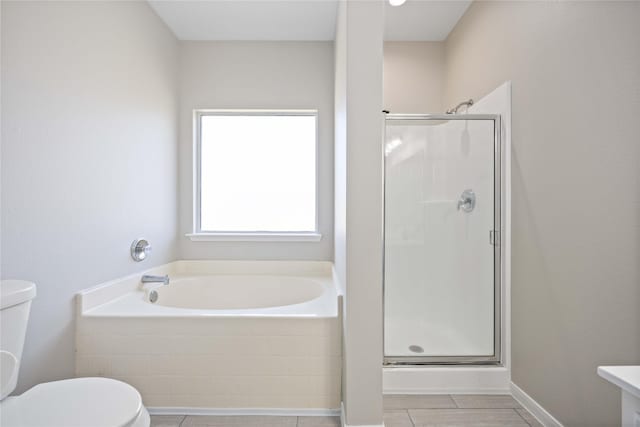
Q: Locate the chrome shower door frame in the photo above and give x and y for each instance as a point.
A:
(495, 358)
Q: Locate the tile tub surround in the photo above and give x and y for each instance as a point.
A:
(200, 359)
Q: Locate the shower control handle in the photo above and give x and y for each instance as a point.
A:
(140, 250)
(467, 201)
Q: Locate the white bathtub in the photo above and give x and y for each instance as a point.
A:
(223, 335)
(240, 292)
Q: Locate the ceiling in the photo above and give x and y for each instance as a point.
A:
(248, 19)
(423, 20)
(300, 20)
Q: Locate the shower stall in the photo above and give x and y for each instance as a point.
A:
(442, 201)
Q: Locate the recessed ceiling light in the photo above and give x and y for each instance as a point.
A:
(396, 2)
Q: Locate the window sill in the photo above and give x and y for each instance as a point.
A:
(254, 237)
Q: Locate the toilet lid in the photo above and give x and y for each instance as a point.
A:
(79, 402)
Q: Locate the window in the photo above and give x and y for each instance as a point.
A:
(255, 175)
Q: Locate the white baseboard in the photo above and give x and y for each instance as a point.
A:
(344, 424)
(446, 380)
(294, 412)
(534, 408)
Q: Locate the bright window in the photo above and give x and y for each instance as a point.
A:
(256, 172)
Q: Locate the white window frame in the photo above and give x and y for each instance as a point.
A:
(197, 233)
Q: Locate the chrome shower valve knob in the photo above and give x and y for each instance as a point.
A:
(467, 201)
(140, 249)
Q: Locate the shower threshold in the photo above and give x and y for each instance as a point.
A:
(409, 361)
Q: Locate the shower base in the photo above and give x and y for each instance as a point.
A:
(406, 338)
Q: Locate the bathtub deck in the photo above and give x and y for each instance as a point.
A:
(134, 304)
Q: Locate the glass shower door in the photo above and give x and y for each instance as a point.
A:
(442, 222)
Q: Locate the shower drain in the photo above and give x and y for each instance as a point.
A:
(416, 349)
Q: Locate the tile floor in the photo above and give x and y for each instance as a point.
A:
(241, 421)
(399, 411)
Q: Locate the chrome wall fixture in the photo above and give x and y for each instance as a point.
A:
(140, 250)
(467, 201)
(148, 278)
(153, 296)
(455, 109)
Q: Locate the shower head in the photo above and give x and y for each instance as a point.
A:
(455, 109)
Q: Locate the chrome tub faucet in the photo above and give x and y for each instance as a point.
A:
(147, 278)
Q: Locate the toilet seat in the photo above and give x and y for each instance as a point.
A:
(79, 402)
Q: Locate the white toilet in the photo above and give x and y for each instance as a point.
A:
(79, 402)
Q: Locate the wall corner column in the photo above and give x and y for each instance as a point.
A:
(359, 204)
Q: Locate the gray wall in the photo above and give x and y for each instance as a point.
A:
(260, 75)
(414, 76)
(88, 157)
(575, 69)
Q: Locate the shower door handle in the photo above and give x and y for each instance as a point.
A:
(494, 237)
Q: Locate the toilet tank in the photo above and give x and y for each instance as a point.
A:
(15, 302)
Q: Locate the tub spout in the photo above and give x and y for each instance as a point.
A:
(147, 278)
